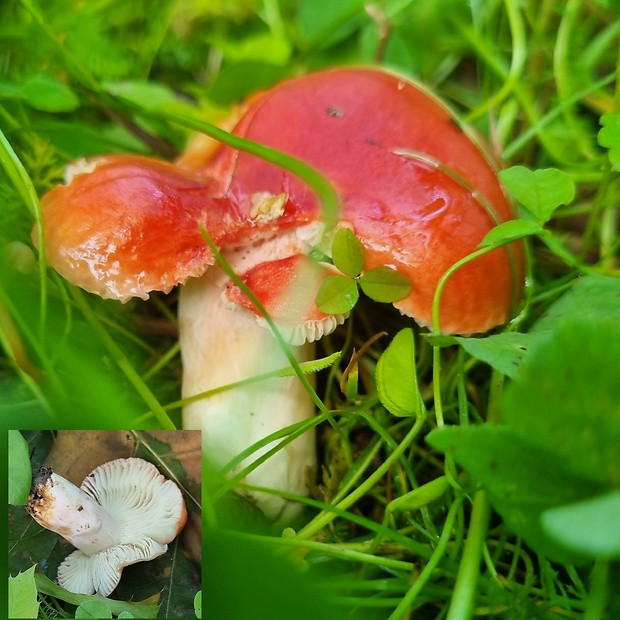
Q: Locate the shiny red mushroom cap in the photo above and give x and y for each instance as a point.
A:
(416, 190)
(124, 226)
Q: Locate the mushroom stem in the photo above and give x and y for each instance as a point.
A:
(60, 506)
(222, 345)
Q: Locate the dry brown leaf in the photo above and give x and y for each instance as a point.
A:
(76, 453)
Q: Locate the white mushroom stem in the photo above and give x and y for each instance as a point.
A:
(220, 346)
(60, 506)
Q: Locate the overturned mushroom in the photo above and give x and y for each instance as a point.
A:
(124, 512)
(414, 188)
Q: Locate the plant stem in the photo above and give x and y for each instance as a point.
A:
(350, 551)
(122, 362)
(519, 57)
(597, 597)
(563, 71)
(463, 596)
(321, 520)
(427, 572)
(437, 386)
(23, 184)
(609, 224)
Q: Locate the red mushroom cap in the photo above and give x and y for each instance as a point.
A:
(416, 190)
(128, 225)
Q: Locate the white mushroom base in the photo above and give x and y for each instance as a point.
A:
(220, 346)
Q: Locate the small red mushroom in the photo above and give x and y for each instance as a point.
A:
(416, 190)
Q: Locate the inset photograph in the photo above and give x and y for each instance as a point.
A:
(104, 524)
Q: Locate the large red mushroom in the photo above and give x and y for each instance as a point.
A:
(415, 189)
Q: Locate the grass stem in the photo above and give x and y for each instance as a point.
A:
(597, 596)
(464, 593)
(403, 607)
(122, 362)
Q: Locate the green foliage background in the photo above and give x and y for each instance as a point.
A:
(397, 526)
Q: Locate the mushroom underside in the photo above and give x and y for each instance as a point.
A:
(102, 571)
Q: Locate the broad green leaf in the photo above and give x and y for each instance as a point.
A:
(78, 140)
(323, 22)
(399, 53)
(10, 91)
(567, 398)
(337, 294)
(521, 479)
(593, 297)
(264, 46)
(511, 231)
(539, 191)
(93, 609)
(561, 438)
(503, 352)
(28, 541)
(49, 95)
(248, 580)
(20, 473)
(348, 253)
(589, 527)
(385, 285)
(396, 376)
(609, 137)
(23, 601)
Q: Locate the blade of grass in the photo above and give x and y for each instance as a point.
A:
(427, 572)
(538, 125)
(287, 434)
(341, 551)
(465, 587)
(121, 360)
(323, 519)
(13, 349)
(517, 65)
(23, 184)
(306, 367)
(286, 349)
(563, 69)
(327, 195)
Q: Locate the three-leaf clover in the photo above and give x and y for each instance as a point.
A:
(339, 293)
